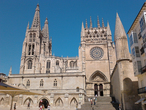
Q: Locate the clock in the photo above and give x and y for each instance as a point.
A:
(96, 53)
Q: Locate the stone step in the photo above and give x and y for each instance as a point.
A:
(104, 99)
(103, 103)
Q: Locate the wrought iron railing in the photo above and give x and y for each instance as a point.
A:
(143, 69)
(142, 90)
(142, 50)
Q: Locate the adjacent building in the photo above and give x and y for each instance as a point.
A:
(137, 35)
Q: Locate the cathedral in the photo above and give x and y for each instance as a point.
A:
(68, 81)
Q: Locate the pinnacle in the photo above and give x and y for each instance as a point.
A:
(102, 23)
(86, 24)
(90, 22)
(108, 29)
(46, 21)
(37, 8)
(98, 24)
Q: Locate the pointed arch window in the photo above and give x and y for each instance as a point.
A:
(71, 64)
(55, 82)
(33, 49)
(29, 64)
(66, 63)
(57, 63)
(30, 37)
(77, 89)
(48, 64)
(44, 47)
(34, 36)
(75, 64)
(41, 83)
(28, 83)
(29, 49)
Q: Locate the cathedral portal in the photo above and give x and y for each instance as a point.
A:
(97, 85)
(44, 102)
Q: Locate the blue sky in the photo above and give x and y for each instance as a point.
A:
(65, 18)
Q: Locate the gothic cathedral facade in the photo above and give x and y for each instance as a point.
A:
(67, 82)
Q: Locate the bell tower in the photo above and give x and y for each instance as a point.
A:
(36, 43)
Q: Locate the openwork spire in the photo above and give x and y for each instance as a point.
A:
(36, 19)
(98, 24)
(90, 22)
(102, 23)
(119, 29)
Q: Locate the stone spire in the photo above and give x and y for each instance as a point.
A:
(102, 23)
(121, 43)
(119, 29)
(98, 24)
(36, 19)
(10, 71)
(86, 24)
(45, 29)
(82, 30)
(90, 22)
(108, 29)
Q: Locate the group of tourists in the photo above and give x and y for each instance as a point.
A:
(43, 108)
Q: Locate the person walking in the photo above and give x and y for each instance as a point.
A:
(48, 107)
(28, 106)
(15, 106)
(41, 107)
(91, 102)
(76, 106)
(94, 102)
(120, 107)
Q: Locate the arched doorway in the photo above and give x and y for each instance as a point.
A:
(101, 89)
(44, 102)
(95, 90)
(95, 85)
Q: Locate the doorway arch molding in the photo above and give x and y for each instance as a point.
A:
(43, 98)
(99, 75)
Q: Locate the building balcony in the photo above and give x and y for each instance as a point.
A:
(143, 69)
(142, 50)
(142, 90)
(139, 35)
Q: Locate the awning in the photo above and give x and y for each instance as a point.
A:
(144, 102)
(140, 100)
(13, 91)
